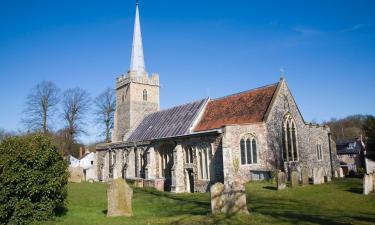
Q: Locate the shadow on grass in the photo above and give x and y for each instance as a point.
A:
(60, 211)
(270, 188)
(105, 212)
(355, 190)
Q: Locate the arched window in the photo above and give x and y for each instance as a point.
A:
(188, 155)
(204, 154)
(145, 95)
(248, 148)
(289, 139)
(319, 152)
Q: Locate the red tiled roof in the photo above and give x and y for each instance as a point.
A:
(242, 108)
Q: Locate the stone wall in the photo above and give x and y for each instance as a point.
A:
(232, 152)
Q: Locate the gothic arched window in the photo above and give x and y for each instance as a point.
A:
(204, 154)
(145, 95)
(289, 139)
(248, 148)
(319, 151)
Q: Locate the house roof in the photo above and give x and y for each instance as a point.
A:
(245, 107)
(171, 122)
(348, 146)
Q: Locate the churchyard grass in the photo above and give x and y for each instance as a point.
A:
(338, 202)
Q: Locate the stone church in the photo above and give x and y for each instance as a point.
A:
(189, 147)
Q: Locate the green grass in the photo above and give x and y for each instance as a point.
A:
(339, 202)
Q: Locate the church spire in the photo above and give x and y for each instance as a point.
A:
(137, 63)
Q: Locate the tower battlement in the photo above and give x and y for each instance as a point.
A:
(132, 77)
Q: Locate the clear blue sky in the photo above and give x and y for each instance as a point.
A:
(327, 49)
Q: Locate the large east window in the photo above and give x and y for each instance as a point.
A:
(289, 137)
(249, 151)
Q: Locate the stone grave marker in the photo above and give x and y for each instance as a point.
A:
(305, 176)
(281, 180)
(119, 198)
(293, 179)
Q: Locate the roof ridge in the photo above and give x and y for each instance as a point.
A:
(243, 92)
(163, 110)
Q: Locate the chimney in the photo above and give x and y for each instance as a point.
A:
(81, 152)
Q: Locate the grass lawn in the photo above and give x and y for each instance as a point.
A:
(339, 202)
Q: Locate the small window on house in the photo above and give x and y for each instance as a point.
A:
(92, 162)
(248, 147)
(319, 152)
(145, 95)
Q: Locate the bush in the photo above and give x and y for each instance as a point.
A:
(33, 179)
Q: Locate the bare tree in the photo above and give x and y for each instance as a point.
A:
(41, 105)
(75, 105)
(4, 134)
(105, 106)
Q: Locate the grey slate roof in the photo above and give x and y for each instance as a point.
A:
(167, 123)
(348, 146)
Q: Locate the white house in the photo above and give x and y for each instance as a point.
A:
(88, 164)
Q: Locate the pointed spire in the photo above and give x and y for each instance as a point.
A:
(137, 63)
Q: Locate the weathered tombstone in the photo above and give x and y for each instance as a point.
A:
(281, 180)
(159, 184)
(305, 176)
(341, 173)
(228, 198)
(293, 179)
(336, 174)
(119, 197)
(373, 181)
(315, 177)
(368, 185)
(76, 174)
(216, 197)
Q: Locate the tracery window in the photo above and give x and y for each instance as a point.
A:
(145, 95)
(204, 154)
(249, 153)
(289, 139)
(319, 152)
(188, 155)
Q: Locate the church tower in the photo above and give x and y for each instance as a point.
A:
(137, 94)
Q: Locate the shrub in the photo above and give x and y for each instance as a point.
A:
(33, 179)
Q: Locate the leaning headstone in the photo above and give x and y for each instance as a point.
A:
(368, 185)
(228, 198)
(119, 197)
(293, 179)
(281, 180)
(305, 176)
(76, 174)
(216, 199)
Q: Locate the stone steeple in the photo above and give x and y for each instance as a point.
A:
(137, 63)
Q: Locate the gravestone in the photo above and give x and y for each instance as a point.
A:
(281, 180)
(368, 184)
(341, 173)
(119, 197)
(229, 198)
(336, 174)
(318, 176)
(373, 181)
(159, 184)
(76, 174)
(293, 179)
(305, 176)
(216, 198)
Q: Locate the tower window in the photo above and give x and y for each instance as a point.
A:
(122, 98)
(145, 95)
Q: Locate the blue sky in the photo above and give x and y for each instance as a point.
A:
(199, 48)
